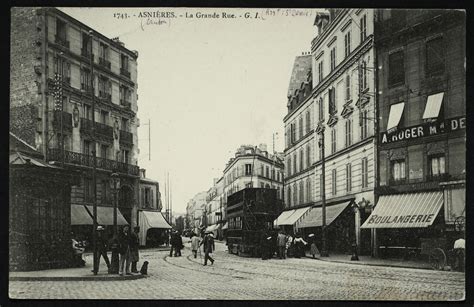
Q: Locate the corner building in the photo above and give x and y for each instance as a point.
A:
(47, 44)
(341, 107)
(422, 136)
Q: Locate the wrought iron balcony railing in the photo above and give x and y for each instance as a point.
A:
(104, 62)
(126, 138)
(101, 130)
(125, 72)
(61, 41)
(54, 154)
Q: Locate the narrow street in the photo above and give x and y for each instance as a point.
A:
(233, 277)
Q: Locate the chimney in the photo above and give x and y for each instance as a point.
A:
(262, 147)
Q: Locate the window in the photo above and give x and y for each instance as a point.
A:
(88, 190)
(308, 122)
(262, 171)
(434, 56)
(333, 58)
(332, 101)
(365, 173)
(321, 109)
(333, 182)
(295, 194)
(124, 125)
(125, 95)
(333, 140)
(86, 45)
(363, 28)
(86, 80)
(87, 111)
(348, 177)
(124, 62)
(364, 123)
(301, 127)
(104, 116)
(288, 192)
(273, 174)
(396, 68)
(293, 133)
(348, 87)
(262, 185)
(267, 172)
(125, 156)
(347, 43)
(104, 191)
(104, 51)
(60, 31)
(320, 71)
(308, 156)
(301, 159)
(63, 68)
(348, 125)
(362, 76)
(294, 164)
(321, 187)
(301, 192)
(86, 147)
(248, 169)
(249, 185)
(308, 190)
(288, 167)
(437, 165)
(105, 87)
(104, 149)
(398, 170)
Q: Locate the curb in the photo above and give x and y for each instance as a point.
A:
(372, 264)
(76, 278)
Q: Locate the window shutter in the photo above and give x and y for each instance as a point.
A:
(151, 198)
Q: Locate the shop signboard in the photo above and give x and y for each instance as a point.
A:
(424, 130)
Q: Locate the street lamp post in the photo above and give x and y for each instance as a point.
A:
(115, 255)
(324, 251)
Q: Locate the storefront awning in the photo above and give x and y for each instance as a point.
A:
(433, 105)
(315, 216)
(412, 210)
(80, 216)
(211, 228)
(225, 226)
(396, 111)
(290, 217)
(148, 220)
(105, 216)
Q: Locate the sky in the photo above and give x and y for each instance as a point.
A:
(207, 85)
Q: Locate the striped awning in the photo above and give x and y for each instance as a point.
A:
(290, 217)
(80, 216)
(411, 210)
(315, 216)
(105, 215)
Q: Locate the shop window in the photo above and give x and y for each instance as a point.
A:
(396, 69)
(398, 170)
(436, 166)
(435, 56)
(365, 173)
(334, 182)
(348, 177)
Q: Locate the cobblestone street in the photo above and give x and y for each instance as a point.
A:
(233, 277)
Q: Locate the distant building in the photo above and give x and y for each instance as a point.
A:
(195, 211)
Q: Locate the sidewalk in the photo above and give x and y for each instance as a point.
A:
(83, 273)
(368, 260)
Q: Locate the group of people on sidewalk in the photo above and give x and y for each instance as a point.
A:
(286, 245)
(126, 243)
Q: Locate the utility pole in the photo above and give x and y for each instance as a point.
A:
(149, 140)
(94, 166)
(324, 251)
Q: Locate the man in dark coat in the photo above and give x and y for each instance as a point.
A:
(124, 249)
(174, 242)
(209, 247)
(264, 244)
(101, 248)
(134, 245)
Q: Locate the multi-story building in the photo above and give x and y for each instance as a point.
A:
(421, 64)
(336, 116)
(195, 211)
(253, 167)
(214, 207)
(60, 70)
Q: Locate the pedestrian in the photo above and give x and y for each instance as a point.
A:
(172, 240)
(265, 244)
(289, 245)
(195, 240)
(209, 247)
(299, 245)
(281, 241)
(124, 250)
(101, 251)
(134, 245)
(313, 249)
(459, 252)
(179, 243)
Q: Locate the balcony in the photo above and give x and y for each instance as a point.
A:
(102, 131)
(125, 72)
(103, 62)
(54, 154)
(126, 138)
(105, 96)
(125, 103)
(61, 41)
(86, 88)
(67, 121)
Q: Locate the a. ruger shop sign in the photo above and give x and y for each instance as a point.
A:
(424, 130)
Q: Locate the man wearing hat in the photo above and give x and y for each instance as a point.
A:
(101, 248)
(209, 247)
